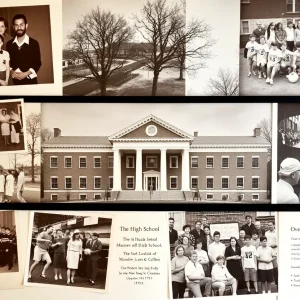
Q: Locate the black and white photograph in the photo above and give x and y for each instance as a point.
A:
(223, 253)
(69, 250)
(13, 133)
(270, 48)
(212, 58)
(20, 172)
(126, 48)
(152, 154)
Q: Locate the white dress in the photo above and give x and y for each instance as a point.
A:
(73, 254)
(5, 126)
(9, 186)
(15, 136)
(2, 183)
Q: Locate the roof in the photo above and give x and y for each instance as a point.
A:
(229, 140)
(79, 140)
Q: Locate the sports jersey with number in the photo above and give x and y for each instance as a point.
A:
(297, 57)
(262, 50)
(274, 56)
(287, 56)
(249, 253)
(251, 48)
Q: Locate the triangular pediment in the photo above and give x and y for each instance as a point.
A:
(151, 127)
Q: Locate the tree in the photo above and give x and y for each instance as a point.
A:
(226, 83)
(97, 40)
(160, 26)
(266, 130)
(33, 128)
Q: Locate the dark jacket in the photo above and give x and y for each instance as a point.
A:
(96, 247)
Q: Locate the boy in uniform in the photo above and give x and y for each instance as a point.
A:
(273, 66)
(286, 61)
(251, 54)
(262, 56)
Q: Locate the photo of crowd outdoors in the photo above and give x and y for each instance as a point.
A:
(223, 253)
(69, 250)
(270, 48)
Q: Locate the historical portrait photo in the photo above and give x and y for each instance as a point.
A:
(69, 250)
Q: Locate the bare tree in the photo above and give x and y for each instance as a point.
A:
(159, 25)
(33, 128)
(46, 134)
(13, 161)
(97, 40)
(225, 83)
(266, 130)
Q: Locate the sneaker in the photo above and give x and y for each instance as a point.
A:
(271, 81)
(60, 277)
(55, 277)
(268, 80)
(68, 282)
(249, 74)
(43, 277)
(248, 292)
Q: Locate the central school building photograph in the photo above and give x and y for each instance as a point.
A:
(153, 160)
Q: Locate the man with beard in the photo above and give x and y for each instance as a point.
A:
(24, 51)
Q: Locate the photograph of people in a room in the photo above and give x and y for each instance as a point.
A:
(270, 48)
(69, 250)
(157, 158)
(25, 45)
(20, 172)
(12, 120)
(8, 243)
(223, 253)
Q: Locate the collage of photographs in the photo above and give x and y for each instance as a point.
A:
(149, 198)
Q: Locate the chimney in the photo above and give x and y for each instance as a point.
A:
(57, 132)
(195, 133)
(256, 132)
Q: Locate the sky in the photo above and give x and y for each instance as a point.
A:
(105, 119)
(24, 159)
(224, 18)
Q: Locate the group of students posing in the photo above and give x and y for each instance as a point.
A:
(274, 50)
(207, 267)
(289, 137)
(8, 247)
(78, 252)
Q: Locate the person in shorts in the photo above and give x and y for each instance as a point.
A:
(286, 61)
(59, 260)
(296, 59)
(265, 257)
(43, 243)
(262, 56)
(249, 263)
(251, 46)
(273, 65)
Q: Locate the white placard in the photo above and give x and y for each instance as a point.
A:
(90, 221)
(72, 222)
(227, 230)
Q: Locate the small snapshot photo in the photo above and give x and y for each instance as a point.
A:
(141, 52)
(288, 154)
(13, 126)
(8, 244)
(270, 48)
(25, 44)
(223, 253)
(69, 250)
(20, 172)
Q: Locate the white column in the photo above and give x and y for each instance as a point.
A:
(163, 170)
(117, 171)
(185, 185)
(138, 171)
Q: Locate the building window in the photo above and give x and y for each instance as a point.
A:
(97, 161)
(225, 162)
(97, 182)
(68, 161)
(225, 182)
(82, 182)
(110, 162)
(240, 162)
(194, 162)
(173, 182)
(173, 162)
(209, 196)
(82, 196)
(209, 161)
(240, 182)
(68, 182)
(225, 197)
(194, 182)
(129, 162)
(54, 182)
(82, 162)
(255, 161)
(97, 196)
(130, 182)
(209, 182)
(292, 6)
(54, 197)
(53, 162)
(255, 197)
(111, 182)
(255, 182)
(151, 162)
(245, 27)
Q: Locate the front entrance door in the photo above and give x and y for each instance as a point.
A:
(151, 183)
